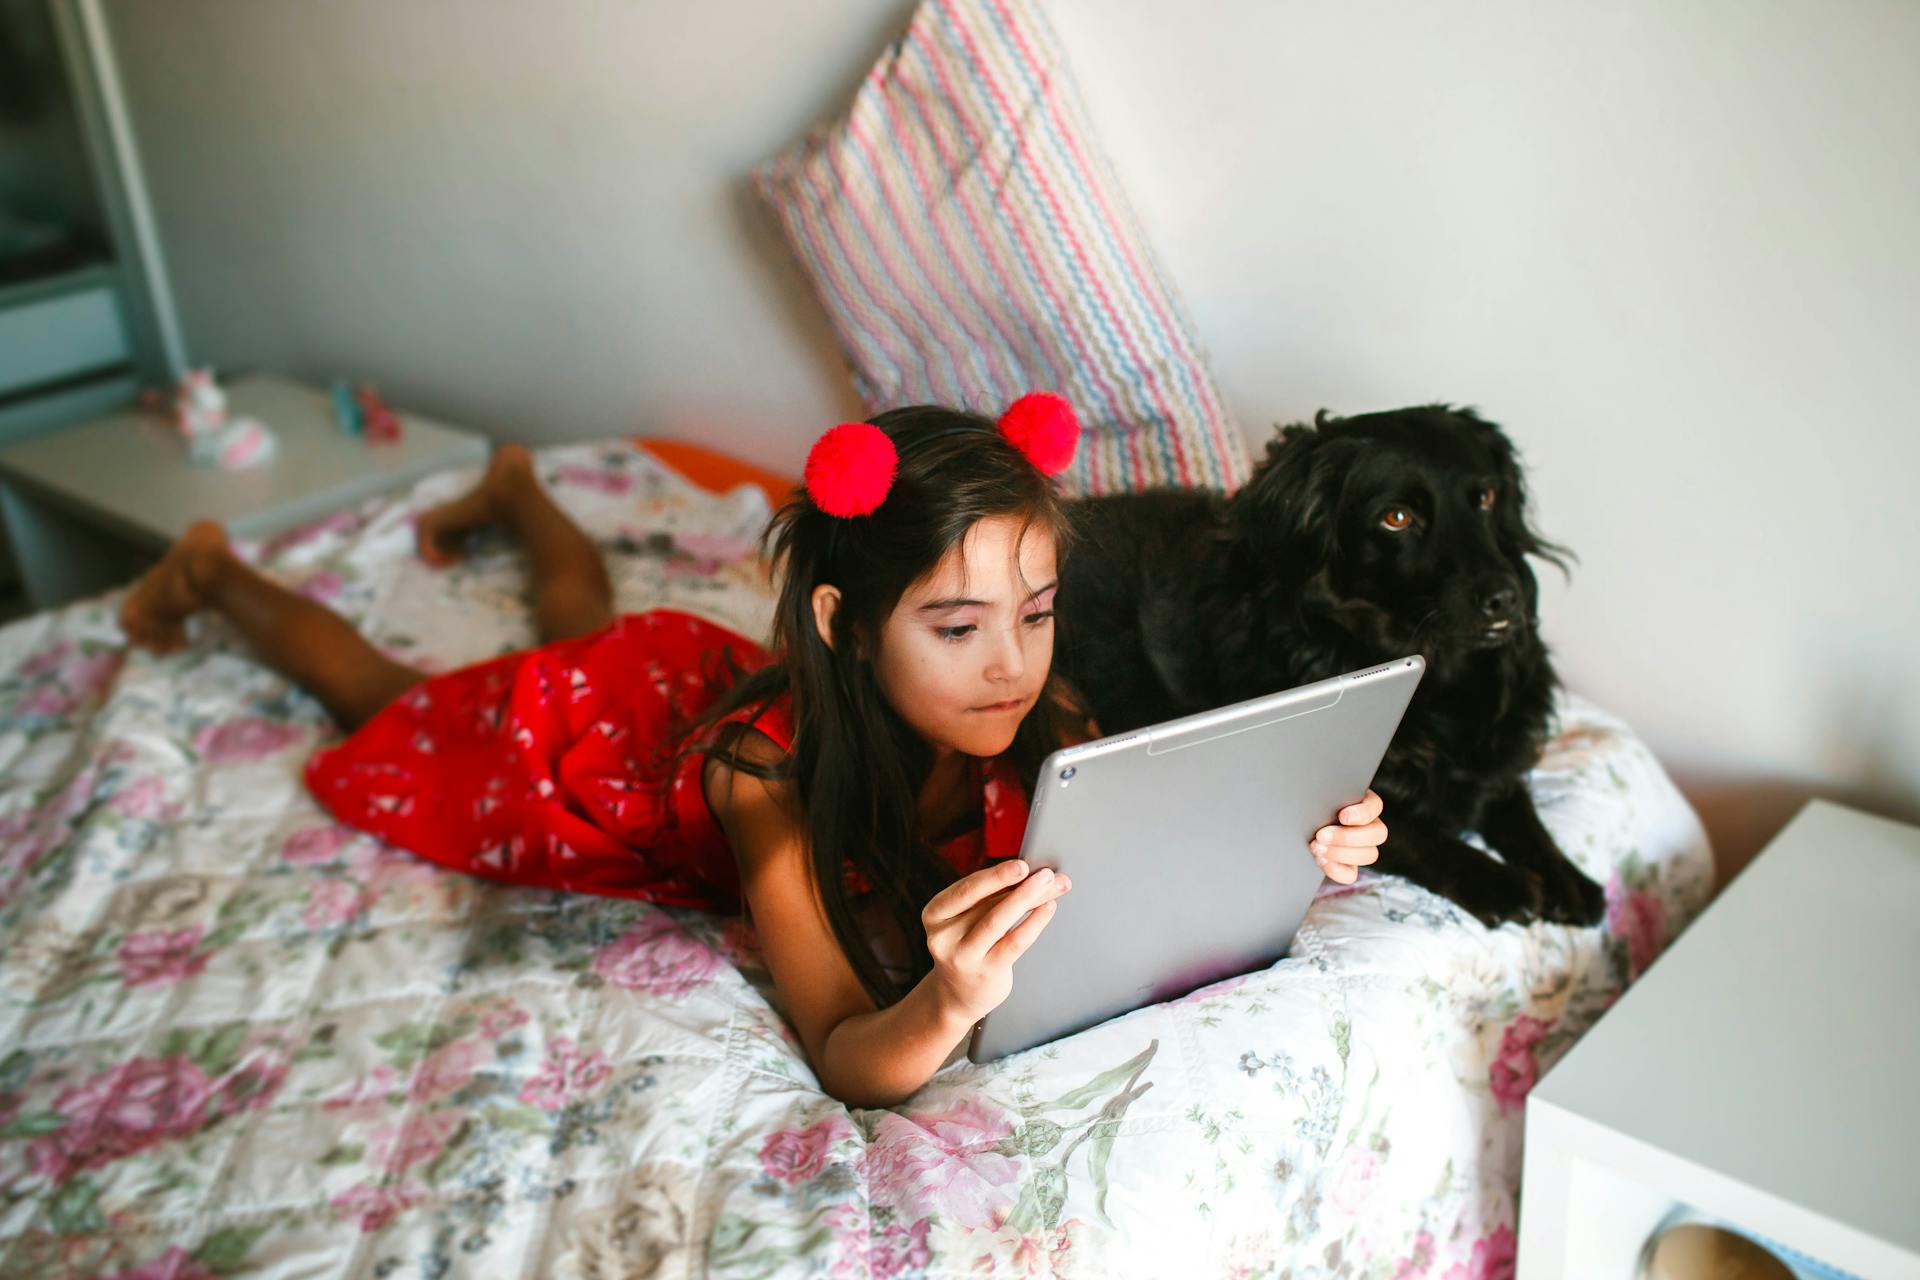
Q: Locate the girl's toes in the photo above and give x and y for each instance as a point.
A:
(432, 541)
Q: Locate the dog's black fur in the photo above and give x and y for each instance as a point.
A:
(1174, 601)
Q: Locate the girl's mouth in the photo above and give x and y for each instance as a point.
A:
(1011, 704)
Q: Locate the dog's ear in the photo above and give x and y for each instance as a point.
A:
(1288, 509)
(1291, 434)
(1516, 521)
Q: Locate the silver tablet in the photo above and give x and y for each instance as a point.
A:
(1187, 847)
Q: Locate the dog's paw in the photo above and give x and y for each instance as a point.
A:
(1514, 894)
(1575, 900)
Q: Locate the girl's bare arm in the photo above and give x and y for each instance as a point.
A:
(864, 1056)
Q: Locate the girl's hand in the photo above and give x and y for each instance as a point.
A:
(1342, 850)
(975, 933)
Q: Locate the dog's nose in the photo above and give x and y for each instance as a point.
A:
(1500, 600)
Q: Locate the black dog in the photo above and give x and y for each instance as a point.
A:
(1357, 540)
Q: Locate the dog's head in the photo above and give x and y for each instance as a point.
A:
(1409, 527)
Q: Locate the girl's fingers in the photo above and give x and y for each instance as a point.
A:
(1022, 935)
(1369, 836)
(998, 919)
(964, 894)
(1341, 864)
(1363, 810)
(1344, 864)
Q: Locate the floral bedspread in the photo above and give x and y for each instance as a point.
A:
(237, 1039)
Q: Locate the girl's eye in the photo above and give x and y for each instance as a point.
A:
(1396, 519)
(1485, 499)
(1035, 619)
(954, 633)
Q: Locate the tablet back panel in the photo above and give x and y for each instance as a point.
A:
(1187, 847)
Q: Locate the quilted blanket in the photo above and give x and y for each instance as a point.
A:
(237, 1039)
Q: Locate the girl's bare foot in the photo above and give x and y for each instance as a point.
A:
(155, 614)
(440, 532)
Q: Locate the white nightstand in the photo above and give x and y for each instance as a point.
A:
(86, 508)
(1765, 1070)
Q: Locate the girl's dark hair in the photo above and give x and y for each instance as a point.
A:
(856, 769)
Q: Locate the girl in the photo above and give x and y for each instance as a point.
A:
(861, 789)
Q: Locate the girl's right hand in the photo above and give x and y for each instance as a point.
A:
(975, 933)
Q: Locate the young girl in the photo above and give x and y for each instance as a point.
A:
(861, 790)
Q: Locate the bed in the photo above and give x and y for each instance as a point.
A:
(242, 1040)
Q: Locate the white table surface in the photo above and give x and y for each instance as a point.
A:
(130, 472)
(1766, 1068)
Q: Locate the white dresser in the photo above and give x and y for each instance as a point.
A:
(1765, 1071)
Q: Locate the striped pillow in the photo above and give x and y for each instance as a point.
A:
(970, 244)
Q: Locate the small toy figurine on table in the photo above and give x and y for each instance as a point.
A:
(377, 422)
(361, 412)
(346, 414)
(199, 412)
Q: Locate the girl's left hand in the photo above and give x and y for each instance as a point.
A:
(1343, 849)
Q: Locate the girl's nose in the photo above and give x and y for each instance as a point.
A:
(1009, 658)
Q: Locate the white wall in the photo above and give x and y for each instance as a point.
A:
(1674, 247)
(525, 217)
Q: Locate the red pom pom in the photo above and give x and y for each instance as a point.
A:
(1043, 427)
(850, 469)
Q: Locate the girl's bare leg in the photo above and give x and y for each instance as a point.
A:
(318, 649)
(303, 640)
(571, 593)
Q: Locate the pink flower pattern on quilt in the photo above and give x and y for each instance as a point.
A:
(1639, 920)
(569, 1073)
(244, 739)
(1516, 1066)
(161, 956)
(658, 957)
(943, 1162)
(120, 1111)
(795, 1155)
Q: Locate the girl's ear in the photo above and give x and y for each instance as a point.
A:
(826, 603)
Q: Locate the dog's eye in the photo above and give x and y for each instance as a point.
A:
(1485, 499)
(1396, 519)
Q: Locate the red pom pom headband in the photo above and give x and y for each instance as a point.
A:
(851, 467)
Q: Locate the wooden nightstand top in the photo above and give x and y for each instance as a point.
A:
(130, 471)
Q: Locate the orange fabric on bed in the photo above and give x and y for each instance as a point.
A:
(716, 471)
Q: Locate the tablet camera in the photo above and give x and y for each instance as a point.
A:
(1066, 775)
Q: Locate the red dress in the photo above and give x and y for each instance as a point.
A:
(564, 767)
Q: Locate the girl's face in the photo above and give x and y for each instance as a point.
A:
(964, 655)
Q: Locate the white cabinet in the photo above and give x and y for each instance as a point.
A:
(1765, 1071)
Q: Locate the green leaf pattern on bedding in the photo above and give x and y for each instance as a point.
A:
(239, 1038)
